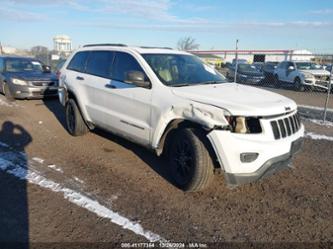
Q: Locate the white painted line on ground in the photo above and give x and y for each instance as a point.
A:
(315, 136)
(315, 108)
(14, 163)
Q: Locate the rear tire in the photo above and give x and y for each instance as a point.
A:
(190, 161)
(74, 120)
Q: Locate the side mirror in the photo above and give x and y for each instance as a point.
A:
(291, 68)
(137, 78)
(46, 69)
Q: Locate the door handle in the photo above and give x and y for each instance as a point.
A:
(79, 78)
(110, 86)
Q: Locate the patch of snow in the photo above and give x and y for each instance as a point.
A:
(315, 108)
(54, 167)
(14, 167)
(315, 136)
(7, 104)
(78, 180)
(38, 160)
(319, 122)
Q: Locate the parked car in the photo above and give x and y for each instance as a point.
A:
(301, 75)
(172, 103)
(26, 78)
(246, 74)
(239, 61)
(59, 66)
(258, 65)
(328, 67)
(268, 70)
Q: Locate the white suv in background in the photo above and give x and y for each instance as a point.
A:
(172, 103)
(302, 75)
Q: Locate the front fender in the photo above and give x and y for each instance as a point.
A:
(206, 116)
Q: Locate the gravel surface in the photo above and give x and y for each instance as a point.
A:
(292, 206)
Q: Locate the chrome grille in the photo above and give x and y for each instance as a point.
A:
(322, 77)
(285, 127)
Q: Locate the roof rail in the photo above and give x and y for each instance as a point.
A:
(157, 47)
(105, 44)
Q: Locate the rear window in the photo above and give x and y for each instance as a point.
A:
(100, 63)
(78, 62)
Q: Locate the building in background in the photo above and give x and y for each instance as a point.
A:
(62, 44)
(259, 55)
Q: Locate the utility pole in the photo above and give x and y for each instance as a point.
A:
(236, 66)
(0, 48)
(329, 87)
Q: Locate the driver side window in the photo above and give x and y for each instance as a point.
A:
(124, 63)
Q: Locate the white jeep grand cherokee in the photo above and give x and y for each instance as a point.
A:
(171, 102)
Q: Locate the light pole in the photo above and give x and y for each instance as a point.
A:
(236, 66)
(329, 87)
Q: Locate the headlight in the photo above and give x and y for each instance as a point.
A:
(19, 82)
(242, 75)
(308, 76)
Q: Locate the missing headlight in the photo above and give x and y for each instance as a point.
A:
(244, 125)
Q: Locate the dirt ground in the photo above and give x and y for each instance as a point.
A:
(293, 206)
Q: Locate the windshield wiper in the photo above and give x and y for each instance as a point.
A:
(183, 84)
(211, 82)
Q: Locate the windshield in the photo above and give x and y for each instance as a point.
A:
(307, 65)
(247, 68)
(23, 65)
(178, 69)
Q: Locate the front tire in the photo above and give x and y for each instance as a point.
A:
(8, 94)
(74, 120)
(277, 81)
(298, 85)
(191, 164)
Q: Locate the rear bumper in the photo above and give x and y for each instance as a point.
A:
(33, 92)
(269, 168)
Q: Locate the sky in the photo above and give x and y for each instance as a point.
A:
(214, 24)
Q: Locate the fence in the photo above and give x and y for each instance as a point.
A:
(304, 77)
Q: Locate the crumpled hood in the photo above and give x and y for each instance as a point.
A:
(320, 72)
(32, 76)
(238, 99)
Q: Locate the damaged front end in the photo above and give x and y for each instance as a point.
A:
(211, 117)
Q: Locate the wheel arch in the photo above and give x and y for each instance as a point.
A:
(70, 94)
(176, 124)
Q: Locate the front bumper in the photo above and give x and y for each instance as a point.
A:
(32, 92)
(269, 168)
(317, 83)
(273, 154)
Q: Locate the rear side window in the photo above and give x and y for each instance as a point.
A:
(78, 62)
(124, 63)
(100, 63)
